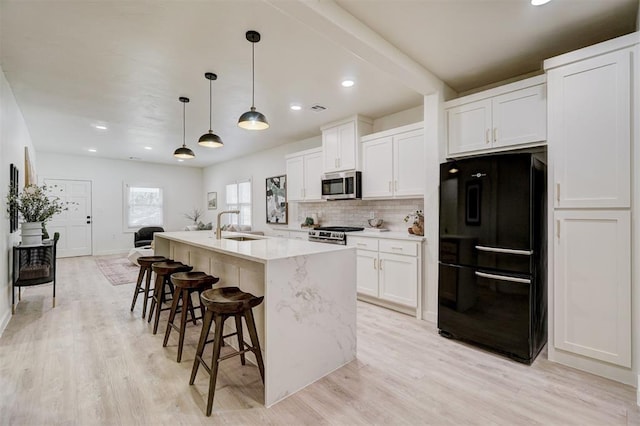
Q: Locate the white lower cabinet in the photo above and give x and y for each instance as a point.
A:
(398, 278)
(592, 284)
(388, 270)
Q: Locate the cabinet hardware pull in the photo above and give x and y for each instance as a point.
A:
(396, 248)
(503, 278)
(504, 250)
(396, 186)
(558, 228)
(380, 264)
(486, 136)
(374, 264)
(495, 134)
(558, 192)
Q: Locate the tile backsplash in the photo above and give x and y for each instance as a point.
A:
(357, 212)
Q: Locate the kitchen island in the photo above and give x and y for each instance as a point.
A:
(307, 322)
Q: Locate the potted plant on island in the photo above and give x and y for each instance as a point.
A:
(36, 205)
(417, 222)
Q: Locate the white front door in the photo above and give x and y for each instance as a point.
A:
(74, 225)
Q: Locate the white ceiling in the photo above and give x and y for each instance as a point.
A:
(74, 64)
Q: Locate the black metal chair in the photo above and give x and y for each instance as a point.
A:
(144, 236)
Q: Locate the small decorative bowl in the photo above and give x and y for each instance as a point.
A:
(375, 223)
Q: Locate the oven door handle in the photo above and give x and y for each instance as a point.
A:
(503, 278)
(504, 250)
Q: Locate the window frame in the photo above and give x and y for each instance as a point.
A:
(125, 205)
(236, 219)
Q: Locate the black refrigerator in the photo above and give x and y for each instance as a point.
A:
(492, 287)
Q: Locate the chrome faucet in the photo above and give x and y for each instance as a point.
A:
(218, 231)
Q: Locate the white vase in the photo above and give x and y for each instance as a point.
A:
(31, 233)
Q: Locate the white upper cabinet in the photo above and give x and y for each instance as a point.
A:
(511, 116)
(377, 167)
(469, 127)
(304, 171)
(590, 131)
(340, 147)
(393, 163)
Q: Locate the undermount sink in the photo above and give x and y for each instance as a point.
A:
(241, 238)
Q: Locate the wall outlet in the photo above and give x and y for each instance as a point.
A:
(372, 214)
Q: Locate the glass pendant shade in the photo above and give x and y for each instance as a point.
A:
(183, 152)
(253, 120)
(210, 139)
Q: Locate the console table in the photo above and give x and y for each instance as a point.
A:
(34, 265)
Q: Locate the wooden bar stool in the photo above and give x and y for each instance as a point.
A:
(222, 303)
(186, 283)
(145, 263)
(163, 271)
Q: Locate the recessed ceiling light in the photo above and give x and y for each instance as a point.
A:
(348, 83)
(148, 148)
(539, 2)
(100, 126)
(295, 107)
(92, 150)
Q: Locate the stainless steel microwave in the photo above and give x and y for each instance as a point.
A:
(342, 186)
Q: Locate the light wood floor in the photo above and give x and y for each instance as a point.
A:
(90, 361)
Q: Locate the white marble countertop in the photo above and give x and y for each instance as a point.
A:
(262, 249)
(368, 233)
(387, 235)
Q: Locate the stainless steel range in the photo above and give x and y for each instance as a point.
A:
(332, 234)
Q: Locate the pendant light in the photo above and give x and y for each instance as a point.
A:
(183, 151)
(210, 139)
(253, 120)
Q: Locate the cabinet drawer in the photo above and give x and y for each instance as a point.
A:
(408, 248)
(362, 243)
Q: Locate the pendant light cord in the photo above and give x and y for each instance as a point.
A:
(184, 125)
(253, 74)
(210, 107)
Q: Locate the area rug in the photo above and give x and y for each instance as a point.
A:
(118, 270)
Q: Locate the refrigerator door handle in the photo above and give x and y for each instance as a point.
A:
(504, 250)
(503, 278)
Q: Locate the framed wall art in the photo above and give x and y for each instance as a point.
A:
(276, 200)
(13, 188)
(212, 200)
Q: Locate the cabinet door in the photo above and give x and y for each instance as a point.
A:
(409, 164)
(592, 284)
(589, 131)
(398, 278)
(377, 171)
(469, 127)
(347, 158)
(330, 149)
(313, 176)
(295, 178)
(520, 117)
(367, 272)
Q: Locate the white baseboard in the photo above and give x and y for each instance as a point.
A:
(593, 366)
(5, 320)
(430, 316)
(110, 252)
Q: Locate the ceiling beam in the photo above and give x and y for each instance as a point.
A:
(347, 32)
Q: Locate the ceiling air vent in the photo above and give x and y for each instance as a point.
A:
(318, 108)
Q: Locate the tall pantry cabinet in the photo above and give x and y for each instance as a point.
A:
(592, 137)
